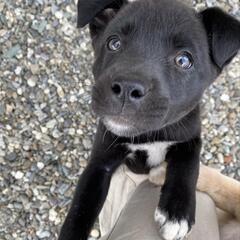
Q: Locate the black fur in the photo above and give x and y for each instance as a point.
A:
(224, 35)
(139, 162)
(165, 104)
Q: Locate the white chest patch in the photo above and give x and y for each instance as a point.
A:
(156, 151)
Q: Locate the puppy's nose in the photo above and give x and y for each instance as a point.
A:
(133, 91)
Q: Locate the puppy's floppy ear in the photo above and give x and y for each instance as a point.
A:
(88, 9)
(223, 34)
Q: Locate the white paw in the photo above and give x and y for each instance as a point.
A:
(170, 230)
(157, 175)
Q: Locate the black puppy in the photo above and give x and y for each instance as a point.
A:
(154, 59)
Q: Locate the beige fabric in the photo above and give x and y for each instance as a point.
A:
(134, 220)
(123, 184)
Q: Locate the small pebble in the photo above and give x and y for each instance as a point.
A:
(43, 234)
(40, 165)
(11, 156)
(52, 215)
(18, 175)
(32, 82)
(18, 70)
(225, 98)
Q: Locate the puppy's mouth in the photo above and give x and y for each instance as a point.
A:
(120, 126)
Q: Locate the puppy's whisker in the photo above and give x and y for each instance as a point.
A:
(112, 143)
(104, 135)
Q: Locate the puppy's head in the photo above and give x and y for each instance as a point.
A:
(154, 59)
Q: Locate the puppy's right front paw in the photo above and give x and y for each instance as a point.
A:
(171, 229)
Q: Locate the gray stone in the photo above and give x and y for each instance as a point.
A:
(43, 234)
(11, 156)
(13, 51)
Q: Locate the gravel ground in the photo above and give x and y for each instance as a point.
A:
(46, 126)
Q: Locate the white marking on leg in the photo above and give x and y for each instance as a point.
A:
(183, 231)
(160, 217)
(170, 230)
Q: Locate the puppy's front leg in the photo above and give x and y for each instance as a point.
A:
(92, 188)
(175, 214)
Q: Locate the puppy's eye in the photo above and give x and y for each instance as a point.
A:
(184, 60)
(114, 43)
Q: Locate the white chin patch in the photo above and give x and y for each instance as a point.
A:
(119, 129)
(170, 230)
